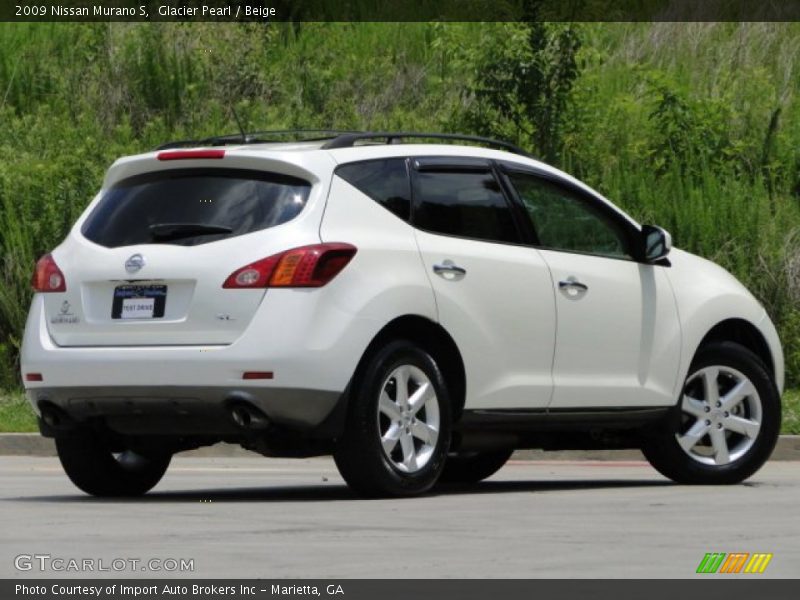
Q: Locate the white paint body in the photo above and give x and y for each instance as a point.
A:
(525, 343)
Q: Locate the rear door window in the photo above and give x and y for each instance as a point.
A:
(463, 203)
(189, 207)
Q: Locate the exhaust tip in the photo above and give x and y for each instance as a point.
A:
(51, 418)
(240, 416)
(248, 416)
(54, 417)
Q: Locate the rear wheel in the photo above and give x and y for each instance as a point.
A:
(97, 469)
(472, 467)
(398, 426)
(726, 423)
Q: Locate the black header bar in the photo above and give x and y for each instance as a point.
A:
(398, 10)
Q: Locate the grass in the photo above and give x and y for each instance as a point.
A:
(791, 412)
(16, 415)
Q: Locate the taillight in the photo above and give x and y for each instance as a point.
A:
(48, 277)
(308, 266)
(255, 275)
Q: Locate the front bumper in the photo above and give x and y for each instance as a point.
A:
(769, 332)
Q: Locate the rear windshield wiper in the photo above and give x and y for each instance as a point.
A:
(176, 231)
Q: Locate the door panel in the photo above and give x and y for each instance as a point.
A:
(493, 295)
(618, 333)
(618, 341)
(501, 314)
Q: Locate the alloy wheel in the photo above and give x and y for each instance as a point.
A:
(408, 418)
(721, 416)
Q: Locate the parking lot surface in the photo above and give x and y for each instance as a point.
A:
(258, 517)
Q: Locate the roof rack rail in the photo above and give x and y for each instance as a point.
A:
(348, 140)
(261, 137)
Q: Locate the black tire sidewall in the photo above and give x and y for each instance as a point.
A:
(474, 467)
(663, 451)
(374, 474)
(91, 466)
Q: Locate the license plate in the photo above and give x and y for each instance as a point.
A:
(139, 302)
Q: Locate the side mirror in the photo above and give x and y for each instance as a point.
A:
(657, 243)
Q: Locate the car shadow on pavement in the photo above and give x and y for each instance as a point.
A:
(340, 492)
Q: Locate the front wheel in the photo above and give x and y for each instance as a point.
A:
(726, 423)
(97, 469)
(398, 425)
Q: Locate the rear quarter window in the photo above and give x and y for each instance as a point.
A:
(189, 207)
(385, 181)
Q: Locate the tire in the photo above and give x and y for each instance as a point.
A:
(95, 469)
(472, 467)
(726, 422)
(416, 436)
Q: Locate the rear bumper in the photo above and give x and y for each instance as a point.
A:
(311, 361)
(180, 410)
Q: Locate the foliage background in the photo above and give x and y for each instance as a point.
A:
(693, 126)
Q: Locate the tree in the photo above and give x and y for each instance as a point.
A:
(522, 84)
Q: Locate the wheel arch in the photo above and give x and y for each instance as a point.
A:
(433, 338)
(742, 332)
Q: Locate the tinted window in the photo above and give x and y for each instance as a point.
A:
(193, 206)
(465, 204)
(385, 181)
(564, 220)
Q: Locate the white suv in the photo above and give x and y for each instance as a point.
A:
(418, 310)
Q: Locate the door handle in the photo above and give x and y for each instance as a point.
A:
(448, 267)
(573, 284)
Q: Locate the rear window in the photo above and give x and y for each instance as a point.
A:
(189, 207)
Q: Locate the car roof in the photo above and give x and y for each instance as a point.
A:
(371, 151)
(310, 155)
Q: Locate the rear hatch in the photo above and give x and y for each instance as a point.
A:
(147, 264)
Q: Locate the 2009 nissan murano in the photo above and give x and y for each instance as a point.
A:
(418, 310)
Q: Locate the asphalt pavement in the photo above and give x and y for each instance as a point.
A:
(258, 517)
